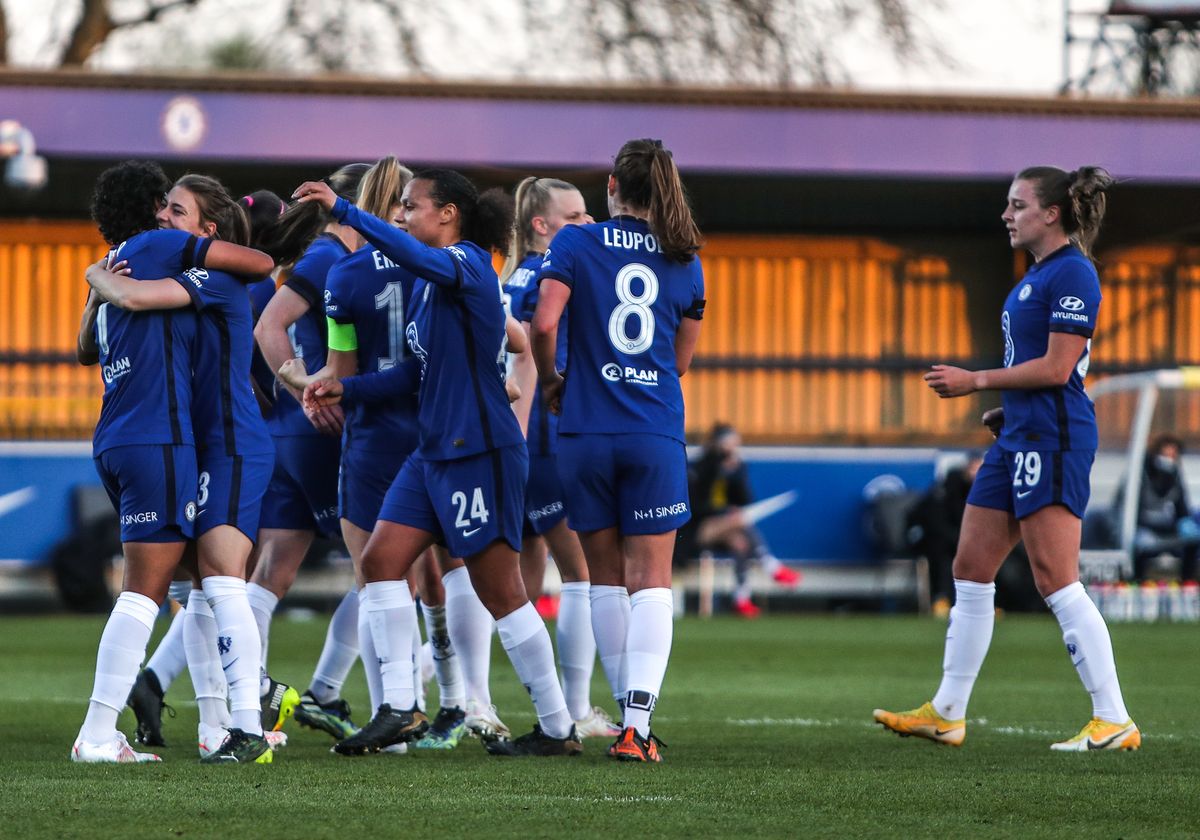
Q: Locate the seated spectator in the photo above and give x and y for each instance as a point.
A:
(1164, 519)
(719, 489)
(939, 515)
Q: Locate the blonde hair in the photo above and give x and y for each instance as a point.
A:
(380, 189)
(532, 198)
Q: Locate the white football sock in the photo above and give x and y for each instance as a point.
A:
(610, 625)
(169, 659)
(770, 563)
(647, 649)
(366, 652)
(180, 591)
(576, 647)
(445, 663)
(418, 683)
(528, 646)
(339, 653)
(470, 626)
(122, 648)
(210, 737)
(239, 647)
(968, 637)
(1090, 647)
(263, 602)
(393, 617)
(204, 662)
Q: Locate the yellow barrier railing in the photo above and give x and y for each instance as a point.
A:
(804, 339)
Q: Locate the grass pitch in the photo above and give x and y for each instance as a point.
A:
(770, 733)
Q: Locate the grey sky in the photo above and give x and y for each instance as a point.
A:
(1010, 47)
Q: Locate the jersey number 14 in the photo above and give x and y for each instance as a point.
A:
(392, 299)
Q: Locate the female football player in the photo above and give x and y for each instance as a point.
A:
(366, 298)
(263, 209)
(301, 500)
(465, 482)
(543, 207)
(633, 291)
(1034, 482)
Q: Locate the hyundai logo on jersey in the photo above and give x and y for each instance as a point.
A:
(197, 276)
(1070, 302)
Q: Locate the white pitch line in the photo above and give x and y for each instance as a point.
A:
(858, 723)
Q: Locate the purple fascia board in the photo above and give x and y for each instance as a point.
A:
(547, 134)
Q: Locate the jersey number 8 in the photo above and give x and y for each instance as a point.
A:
(633, 306)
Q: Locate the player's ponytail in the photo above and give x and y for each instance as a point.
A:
(1089, 201)
(1080, 196)
(486, 219)
(493, 221)
(300, 224)
(531, 198)
(380, 189)
(263, 209)
(648, 179)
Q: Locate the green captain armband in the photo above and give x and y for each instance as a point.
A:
(341, 336)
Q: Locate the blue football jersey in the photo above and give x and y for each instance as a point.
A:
(1059, 294)
(369, 291)
(522, 287)
(260, 294)
(145, 357)
(456, 329)
(307, 279)
(225, 414)
(627, 302)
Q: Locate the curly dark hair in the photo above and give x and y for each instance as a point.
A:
(127, 197)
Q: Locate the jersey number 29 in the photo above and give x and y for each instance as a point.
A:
(1027, 469)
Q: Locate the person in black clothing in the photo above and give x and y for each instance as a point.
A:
(939, 513)
(720, 487)
(1164, 517)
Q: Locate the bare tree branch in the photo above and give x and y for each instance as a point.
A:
(96, 24)
(400, 12)
(762, 43)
